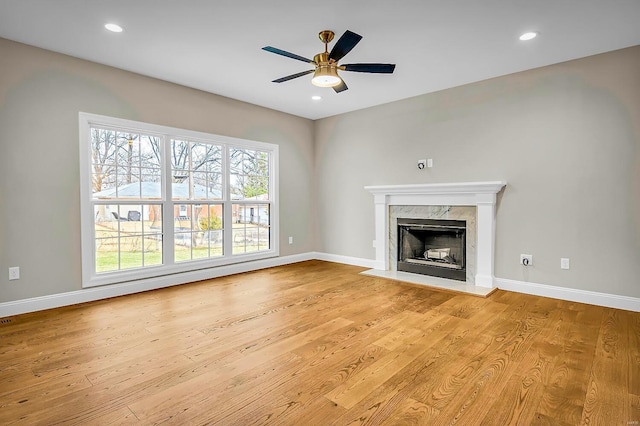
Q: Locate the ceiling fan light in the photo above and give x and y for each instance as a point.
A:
(114, 28)
(325, 77)
(528, 36)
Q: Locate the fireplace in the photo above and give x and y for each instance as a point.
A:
(408, 199)
(433, 247)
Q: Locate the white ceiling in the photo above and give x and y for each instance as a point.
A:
(215, 45)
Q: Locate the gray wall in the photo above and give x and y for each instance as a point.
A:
(566, 138)
(40, 95)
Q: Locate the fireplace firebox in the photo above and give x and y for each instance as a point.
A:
(432, 247)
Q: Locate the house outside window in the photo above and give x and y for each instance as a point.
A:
(157, 200)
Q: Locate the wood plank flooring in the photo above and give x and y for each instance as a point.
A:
(316, 343)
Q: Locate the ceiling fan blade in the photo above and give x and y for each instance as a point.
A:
(347, 41)
(340, 87)
(292, 76)
(374, 68)
(287, 54)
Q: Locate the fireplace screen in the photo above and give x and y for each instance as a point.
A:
(432, 247)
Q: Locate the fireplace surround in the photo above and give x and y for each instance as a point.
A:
(480, 196)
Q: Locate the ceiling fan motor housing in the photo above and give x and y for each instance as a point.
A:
(326, 73)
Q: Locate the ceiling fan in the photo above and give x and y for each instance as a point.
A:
(325, 73)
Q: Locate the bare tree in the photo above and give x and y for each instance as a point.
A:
(250, 170)
(103, 155)
(192, 157)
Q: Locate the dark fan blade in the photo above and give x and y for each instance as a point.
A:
(287, 54)
(292, 76)
(347, 42)
(375, 68)
(340, 87)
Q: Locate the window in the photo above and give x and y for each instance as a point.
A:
(196, 176)
(127, 219)
(159, 200)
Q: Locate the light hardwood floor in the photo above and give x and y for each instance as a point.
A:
(315, 343)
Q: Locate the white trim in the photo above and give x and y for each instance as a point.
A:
(470, 189)
(479, 194)
(571, 294)
(90, 278)
(348, 260)
(98, 293)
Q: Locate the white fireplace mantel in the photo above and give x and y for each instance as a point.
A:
(479, 194)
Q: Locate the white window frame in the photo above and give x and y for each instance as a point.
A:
(90, 278)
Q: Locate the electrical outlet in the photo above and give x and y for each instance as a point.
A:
(564, 263)
(526, 260)
(14, 273)
(290, 240)
(429, 162)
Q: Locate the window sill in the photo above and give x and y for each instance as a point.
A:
(166, 270)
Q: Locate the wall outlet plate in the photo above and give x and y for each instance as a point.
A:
(565, 263)
(14, 273)
(422, 164)
(526, 259)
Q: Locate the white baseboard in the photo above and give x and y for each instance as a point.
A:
(348, 260)
(104, 292)
(572, 295)
(107, 291)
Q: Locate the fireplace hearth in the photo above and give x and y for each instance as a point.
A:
(433, 247)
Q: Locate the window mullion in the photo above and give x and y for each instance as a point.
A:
(167, 203)
(227, 206)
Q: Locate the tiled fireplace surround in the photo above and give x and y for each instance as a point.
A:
(474, 202)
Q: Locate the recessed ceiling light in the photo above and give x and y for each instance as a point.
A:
(528, 36)
(316, 98)
(113, 28)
